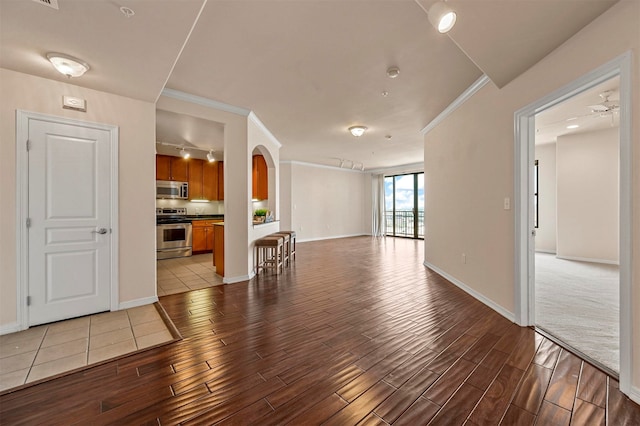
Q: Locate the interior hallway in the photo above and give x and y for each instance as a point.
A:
(356, 330)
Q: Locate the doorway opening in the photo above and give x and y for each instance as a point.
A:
(404, 205)
(525, 262)
(576, 202)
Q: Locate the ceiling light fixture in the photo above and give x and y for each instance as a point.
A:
(573, 126)
(393, 72)
(442, 17)
(184, 154)
(127, 11)
(357, 131)
(68, 65)
(210, 157)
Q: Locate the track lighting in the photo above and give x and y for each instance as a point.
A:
(184, 154)
(210, 157)
(442, 17)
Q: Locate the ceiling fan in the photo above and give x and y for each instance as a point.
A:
(605, 107)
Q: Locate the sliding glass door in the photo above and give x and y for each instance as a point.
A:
(404, 205)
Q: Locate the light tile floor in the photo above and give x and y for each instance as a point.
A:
(186, 273)
(51, 349)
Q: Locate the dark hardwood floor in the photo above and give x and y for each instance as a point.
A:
(357, 331)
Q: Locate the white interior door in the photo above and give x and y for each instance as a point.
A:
(69, 234)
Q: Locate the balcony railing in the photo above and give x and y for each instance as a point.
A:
(404, 223)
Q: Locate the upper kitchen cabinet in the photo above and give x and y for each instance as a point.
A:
(210, 180)
(221, 180)
(195, 179)
(260, 178)
(172, 168)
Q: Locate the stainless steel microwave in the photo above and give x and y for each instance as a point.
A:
(172, 189)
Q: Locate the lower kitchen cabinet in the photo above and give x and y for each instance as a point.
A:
(203, 239)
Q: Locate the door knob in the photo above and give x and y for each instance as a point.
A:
(100, 231)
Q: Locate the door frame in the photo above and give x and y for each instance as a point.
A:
(524, 122)
(22, 207)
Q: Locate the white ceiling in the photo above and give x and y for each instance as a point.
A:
(578, 110)
(308, 69)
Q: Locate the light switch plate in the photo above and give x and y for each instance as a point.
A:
(507, 203)
(78, 104)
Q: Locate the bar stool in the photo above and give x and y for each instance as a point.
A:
(292, 243)
(269, 253)
(287, 245)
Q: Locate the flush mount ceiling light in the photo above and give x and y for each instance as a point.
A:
(393, 72)
(442, 17)
(210, 157)
(68, 65)
(184, 154)
(357, 131)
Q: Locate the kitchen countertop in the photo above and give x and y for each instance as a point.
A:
(205, 216)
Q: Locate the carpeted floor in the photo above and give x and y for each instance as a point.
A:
(578, 302)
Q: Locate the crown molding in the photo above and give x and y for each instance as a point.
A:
(199, 100)
(457, 103)
(322, 166)
(254, 118)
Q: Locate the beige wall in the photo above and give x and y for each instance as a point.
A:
(327, 202)
(588, 196)
(546, 232)
(469, 164)
(136, 122)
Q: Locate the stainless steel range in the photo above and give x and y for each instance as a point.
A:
(173, 233)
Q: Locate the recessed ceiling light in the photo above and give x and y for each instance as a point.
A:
(357, 131)
(385, 94)
(68, 65)
(573, 126)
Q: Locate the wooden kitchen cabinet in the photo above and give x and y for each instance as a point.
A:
(260, 181)
(172, 168)
(210, 180)
(203, 239)
(221, 180)
(196, 179)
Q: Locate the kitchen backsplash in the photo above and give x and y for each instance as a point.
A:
(212, 207)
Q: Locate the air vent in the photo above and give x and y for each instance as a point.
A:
(51, 3)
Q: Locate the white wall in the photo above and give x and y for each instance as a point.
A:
(136, 122)
(469, 164)
(285, 196)
(588, 196)
(327, 202)
(546, 232)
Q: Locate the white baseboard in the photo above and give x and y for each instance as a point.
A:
(634, 395)
(333, 237)
(241, 278)
(12, 327)
(587, 259)
(546, 251)
(137, 302)
(490, 303)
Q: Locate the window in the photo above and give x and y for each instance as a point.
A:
(404, 205)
